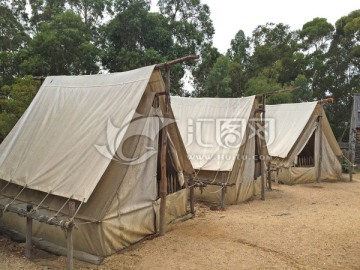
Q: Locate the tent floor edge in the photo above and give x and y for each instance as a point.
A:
(51, 247)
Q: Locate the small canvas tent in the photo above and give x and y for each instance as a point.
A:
(93, 140)
(220, 137)
(303, 147)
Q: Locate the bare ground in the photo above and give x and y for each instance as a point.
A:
(312, 226)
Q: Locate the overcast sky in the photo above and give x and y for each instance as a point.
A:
(229, 16)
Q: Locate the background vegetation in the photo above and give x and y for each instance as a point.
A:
(73, 37)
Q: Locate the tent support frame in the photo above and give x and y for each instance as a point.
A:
(163, 182)
(320, 149)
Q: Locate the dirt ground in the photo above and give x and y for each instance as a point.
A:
(312, 226)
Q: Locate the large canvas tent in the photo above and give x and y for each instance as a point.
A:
(303, 147)
(93, 140)
(219, 136)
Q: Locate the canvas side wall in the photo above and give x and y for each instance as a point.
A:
(330, 165)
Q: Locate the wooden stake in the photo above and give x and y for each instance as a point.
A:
(351, 165)
(28, 243)
(223, 191)
(269, 176)
(70, 246)
(192, 204)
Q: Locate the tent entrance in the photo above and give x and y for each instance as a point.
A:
(172, 173)
(306, 157)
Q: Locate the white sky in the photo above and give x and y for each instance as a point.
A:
(229, 16)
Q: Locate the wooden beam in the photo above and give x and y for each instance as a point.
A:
(36, 216)
(281, 91)
(177, 61)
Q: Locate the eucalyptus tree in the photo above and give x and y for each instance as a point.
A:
(193, 32)
(136, 37)
(316, 36)
(13, 37)
(274, 46)
(344, 68)
(61, 47)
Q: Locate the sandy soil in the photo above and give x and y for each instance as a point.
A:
(313, 226)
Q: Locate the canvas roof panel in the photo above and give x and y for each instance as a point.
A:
(212, 129)
(52, 147)
(289, 122)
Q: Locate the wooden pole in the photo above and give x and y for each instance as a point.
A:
(70, 246)
(223, 192)
(351, 165)
(163, 181)
(262, 145)
(320, 149)
(269, 175)
(28, 240)
(192, 204)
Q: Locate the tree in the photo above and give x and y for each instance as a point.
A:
(61, 47)
(12, 38)
(209, 56)
(192, 31)
(14, 100)
(267, 82)
(238, 51)
(275, 44)
(136, 38)
(219, 80)
(316, 34)
(343, 72)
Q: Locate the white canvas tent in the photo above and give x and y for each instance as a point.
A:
(220, 139)
(93, 140)
(303, 148)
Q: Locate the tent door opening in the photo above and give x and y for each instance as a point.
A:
(172, 175)
(306, 157)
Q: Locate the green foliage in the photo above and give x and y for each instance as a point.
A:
(240, 45)
(219, 80)
(316, 33)
(12, 38)
(61, 47)
(14, 100)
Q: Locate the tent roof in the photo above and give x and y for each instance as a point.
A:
(289, 121)
(52, 147)
(212, 129)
